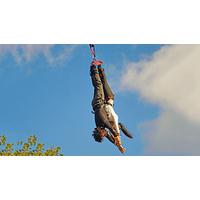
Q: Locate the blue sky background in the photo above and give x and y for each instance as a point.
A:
(53, 100)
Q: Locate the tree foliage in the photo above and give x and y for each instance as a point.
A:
(29, 148)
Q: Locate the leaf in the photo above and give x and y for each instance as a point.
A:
(29, 148)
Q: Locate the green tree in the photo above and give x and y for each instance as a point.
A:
(29, 148)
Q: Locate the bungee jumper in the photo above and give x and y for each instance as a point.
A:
(106, 119)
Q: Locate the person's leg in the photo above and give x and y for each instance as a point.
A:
(99, 98)
(107, 90)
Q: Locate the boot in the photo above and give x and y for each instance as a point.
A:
(119, 145)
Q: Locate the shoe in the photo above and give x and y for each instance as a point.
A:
(97, 62)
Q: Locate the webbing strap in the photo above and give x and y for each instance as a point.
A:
(92, 49)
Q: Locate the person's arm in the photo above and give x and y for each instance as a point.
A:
(125, 130)
(110, 138)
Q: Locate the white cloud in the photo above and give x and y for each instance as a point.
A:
(171, 134)
(171, 78)
(28, 52)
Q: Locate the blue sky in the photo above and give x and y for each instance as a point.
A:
(48, 93)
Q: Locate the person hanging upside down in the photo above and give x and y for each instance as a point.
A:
(106, 119)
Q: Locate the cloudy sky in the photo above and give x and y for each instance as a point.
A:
(46, 91)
